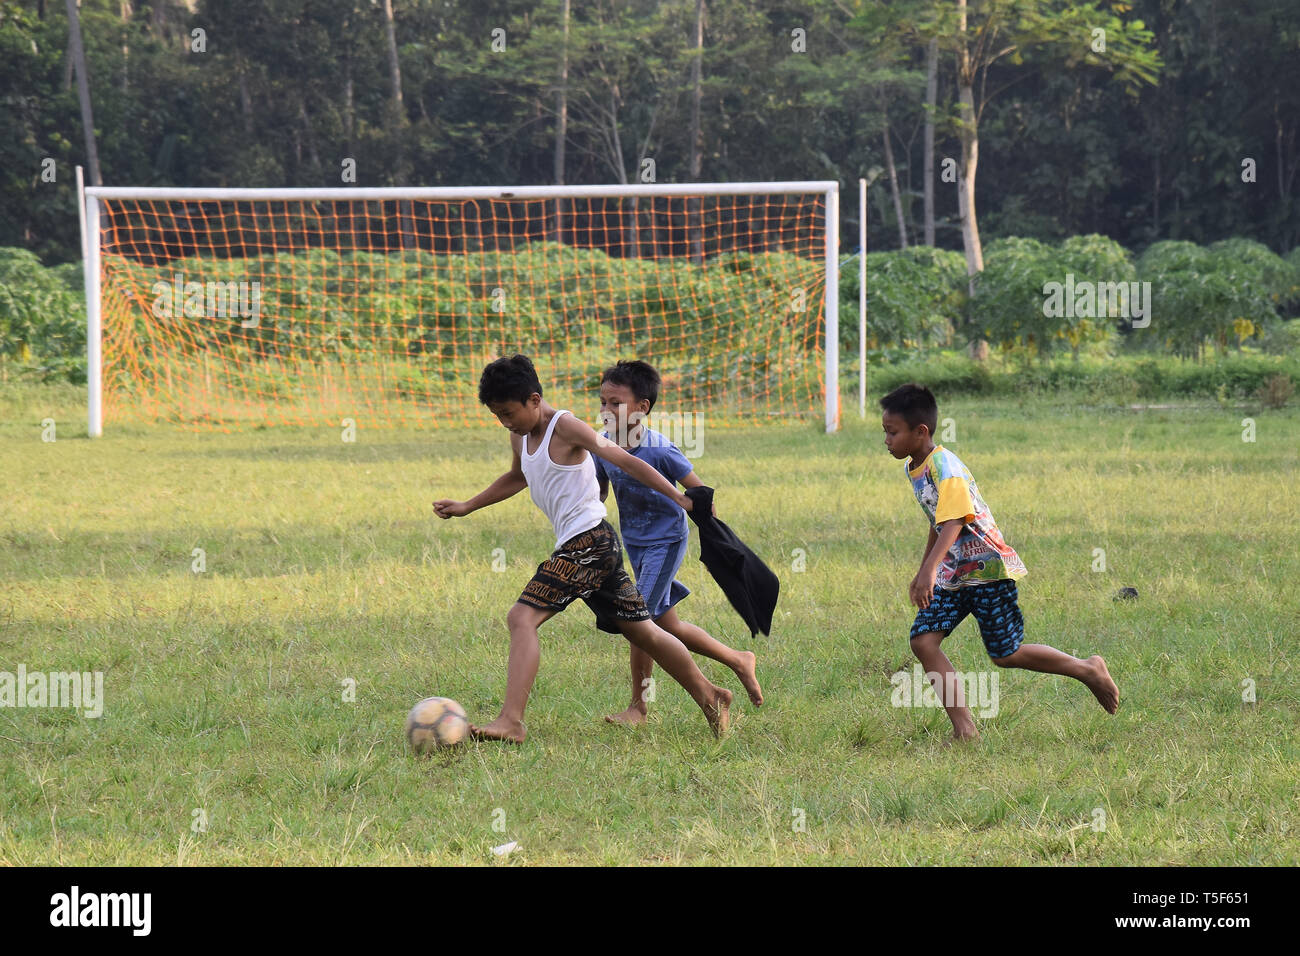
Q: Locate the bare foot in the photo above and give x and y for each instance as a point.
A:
(962, 737)
(749, 678)
(633, 716)
(718, 711)
(509, 731)
(1101, 685)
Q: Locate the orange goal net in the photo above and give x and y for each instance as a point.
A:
(233, 308)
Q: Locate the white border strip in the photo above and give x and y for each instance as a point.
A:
(465, 192)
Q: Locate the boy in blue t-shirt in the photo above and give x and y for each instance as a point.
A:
(967, 567)
(654, 528)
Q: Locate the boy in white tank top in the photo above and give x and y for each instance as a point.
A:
(551, 455)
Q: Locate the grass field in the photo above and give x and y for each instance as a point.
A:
(224, 690)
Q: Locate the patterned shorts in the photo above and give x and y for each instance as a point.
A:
(994, 607)
(587, 566)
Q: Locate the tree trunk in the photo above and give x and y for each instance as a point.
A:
(307, 134)
(349, 109)
(124, 8)
(245, 99)
(83, 91)
(394, 70)
(632, 231)
(970, 233)
(561, 125)
(931, 100)
(695, 225)
(893, 186)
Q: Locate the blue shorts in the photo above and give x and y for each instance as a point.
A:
(994, 606)
(655, 567)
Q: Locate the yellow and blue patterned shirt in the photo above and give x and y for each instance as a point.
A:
(946, 491)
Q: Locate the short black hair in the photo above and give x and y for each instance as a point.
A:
(639, 376)
(509, 380)
(915, 404)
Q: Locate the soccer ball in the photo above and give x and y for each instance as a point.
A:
(435, 722)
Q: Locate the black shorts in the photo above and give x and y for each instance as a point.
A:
(588, 566)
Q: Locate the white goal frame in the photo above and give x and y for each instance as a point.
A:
(91, 195)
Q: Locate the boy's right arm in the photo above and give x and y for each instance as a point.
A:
(929, 543)
(511, 483)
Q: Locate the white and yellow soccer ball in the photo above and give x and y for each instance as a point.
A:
(435, 722)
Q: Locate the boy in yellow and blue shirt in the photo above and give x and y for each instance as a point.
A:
(968, 568)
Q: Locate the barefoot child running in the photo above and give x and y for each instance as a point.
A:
(967, 567)
(654, 528)
(551, 455)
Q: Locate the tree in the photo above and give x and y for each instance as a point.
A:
(1064, 35)
(78, 55)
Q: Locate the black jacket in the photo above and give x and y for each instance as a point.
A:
(748, 583)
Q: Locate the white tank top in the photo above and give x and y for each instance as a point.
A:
(567, 494)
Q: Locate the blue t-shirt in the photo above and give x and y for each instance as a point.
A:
(644, 515)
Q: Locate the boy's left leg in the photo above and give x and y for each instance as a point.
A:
(571, 571)
(1092, 672)
(947, 609)
(655, 566)
(642, 666)
(699, 641)
(1002, 627)
(943, 676)
(521, 672)
(670, 654)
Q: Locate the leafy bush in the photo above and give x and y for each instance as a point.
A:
(1223, 293)
(1283, 338)
(1031, 295)
(915, 298)
(943, 374)
(1276, 392)
(42, 318)
(1237, 377)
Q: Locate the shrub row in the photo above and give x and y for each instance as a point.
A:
(1125, 379)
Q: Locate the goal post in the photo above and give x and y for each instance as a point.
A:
(229, 308)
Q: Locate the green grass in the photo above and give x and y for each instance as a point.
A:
(324, 562)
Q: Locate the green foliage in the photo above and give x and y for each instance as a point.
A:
(1225, 293)
(740, 326)
(42, 318)
(1021, 297)
(731, 324)
(1104, 380)
(1284, 338)
(914, 298)
(1276, 392)
(944, 374)
(309, 85)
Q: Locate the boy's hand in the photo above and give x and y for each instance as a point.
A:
(446, 508)
(921, 590)
(940, 542)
